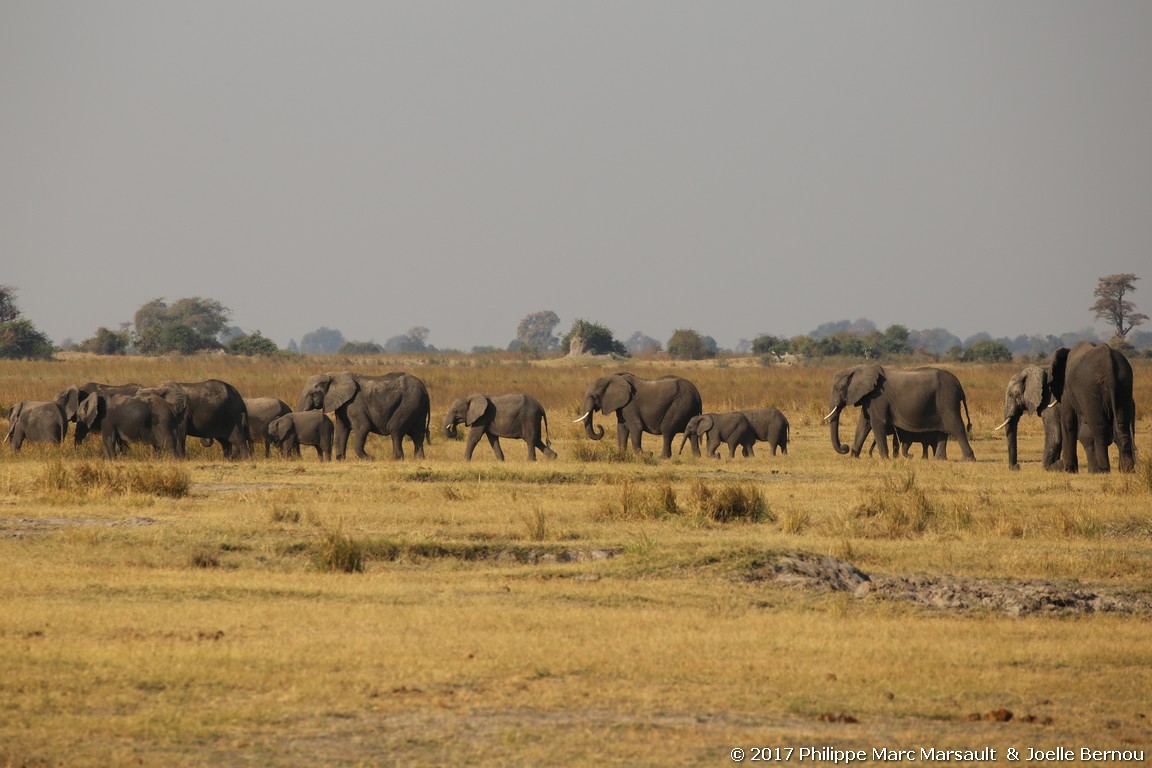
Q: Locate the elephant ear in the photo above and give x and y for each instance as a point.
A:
(864, 380)
(478, 405)
(14, 412)
(178, 400)
(1035, 389)
(617, 394)
(278, 427)
(89, 410)
(342, 387)
(69, 401)
(1059, 362)
(704, 426)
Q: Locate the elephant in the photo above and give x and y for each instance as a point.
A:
(395, 404)
(297, 428)
(517, 416)
(656, 406)
(916, 400)
(733, 429)
(1093, 384)
(145, 417)
(213, 409)
(41, 421)
(70, 399)
(771, 426)
(262, 411)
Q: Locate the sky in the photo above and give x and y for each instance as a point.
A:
(732, 167)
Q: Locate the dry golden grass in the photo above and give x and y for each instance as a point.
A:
(591, 609)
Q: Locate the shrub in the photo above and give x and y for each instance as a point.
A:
(687, 344)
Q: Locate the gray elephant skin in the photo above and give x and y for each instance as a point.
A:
(141, 418)
(733, 429)
(902, 443)
(40, 421)
(262, 411)
(916, 400)
(70, 399)
(297, 428)
(394, 405)
(1093, 384)
(656, 406)
(213, 410)
(771, 426)
(1030, 391)
(516, 416)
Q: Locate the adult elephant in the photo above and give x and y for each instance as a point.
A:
(656, 406)
(393, 405)
(214, 411)
(917, 400)
(1093, 383)
(516, 416)
(40, 421)
(1030, 391)
(69, 400)
(141, 418)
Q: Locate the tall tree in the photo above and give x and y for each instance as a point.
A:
(8, 309)
(535, 330)
(19, 338)
(1113, 308)
(187, 326)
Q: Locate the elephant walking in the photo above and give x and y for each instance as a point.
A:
(1093, 383)
(516, 416)
(297, 428)
(656, 406)
(142, 418)
(1030, 391)
(262, 411)
(771, 426)
(917, 400)
(40, 421)
(393, 405)
(733, 429)
(70, 399)
(213, 410)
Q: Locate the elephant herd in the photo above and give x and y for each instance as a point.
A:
(1084, 395)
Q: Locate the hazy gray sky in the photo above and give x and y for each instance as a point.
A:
(733, 167)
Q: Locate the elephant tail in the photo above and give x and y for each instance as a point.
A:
(428, 426)
(682, 441)
(967, 418)
(547, 437)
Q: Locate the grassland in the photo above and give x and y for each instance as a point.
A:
(590, 609)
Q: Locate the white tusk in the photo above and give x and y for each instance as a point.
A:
(581, 418)
(1002, 425)
(829, 415)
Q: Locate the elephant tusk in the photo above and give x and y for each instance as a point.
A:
(829, 415)
(577, 421)
(1004, 424)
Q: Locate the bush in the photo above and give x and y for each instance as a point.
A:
(687, 344)
(591, 338)
(19, 340)
(106, 342)
(252, 344)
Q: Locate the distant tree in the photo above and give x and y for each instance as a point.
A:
(322, 341)
(536, 331)
(252, 344)
(591, 338)
(189, 325)
(19, 338)
(107, 342)
(935, 340)
(687, 344)
(767, 344)
(987, 351)
(360, 348)
(413, 341)
(1141, 340)
(293, 346)
(858, 327)
(641, 344)
(8, 309)
(1113, 308)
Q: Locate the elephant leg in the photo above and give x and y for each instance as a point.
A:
(1069, 430)
(359, 440)
(879, 434)
(340, 433)
(418, 443)
(1124, 442)
(319, 452)
(474, 435)
(397, 445)
(713, 445)
(494, 441)
(636, 437)
(622, 435)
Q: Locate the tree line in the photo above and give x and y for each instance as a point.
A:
(195, 324)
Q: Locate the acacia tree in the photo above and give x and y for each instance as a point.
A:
(1112, 307)
(186, 326)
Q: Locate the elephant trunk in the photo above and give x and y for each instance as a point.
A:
(450, 428)
(1010, 435)
(593, 433)
(682, 442)
(834, 429)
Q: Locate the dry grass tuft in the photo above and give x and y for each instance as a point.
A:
(339, 553)
(90, 479)
(640, 502)
(894, 508)
(732, 502)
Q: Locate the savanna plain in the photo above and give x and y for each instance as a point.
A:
(596, 608)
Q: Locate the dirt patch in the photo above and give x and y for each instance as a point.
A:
(19, 527)
(1010, 597)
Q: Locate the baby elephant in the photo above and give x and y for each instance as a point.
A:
(40, 421)
(515, 416)
(770, 426)
(292, 430)
(731, 428)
